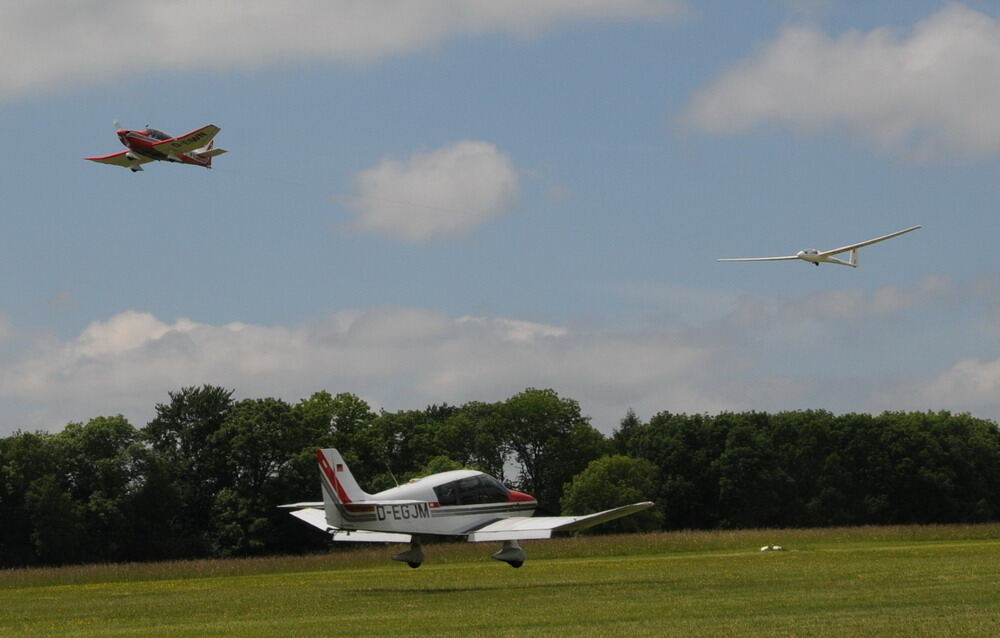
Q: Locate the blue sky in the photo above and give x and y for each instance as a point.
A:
(451, 201)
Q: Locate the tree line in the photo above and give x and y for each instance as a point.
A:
(204, 476)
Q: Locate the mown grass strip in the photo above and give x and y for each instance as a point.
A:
(861, 581)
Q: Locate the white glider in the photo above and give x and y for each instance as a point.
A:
(815, 256)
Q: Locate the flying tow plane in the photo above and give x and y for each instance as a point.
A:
(816, 257)
(463, 503)
(149, 144)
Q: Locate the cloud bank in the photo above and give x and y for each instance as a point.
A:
(927, 93)
(440, 193)
(748, 356)
(393, 357)
(46, 44)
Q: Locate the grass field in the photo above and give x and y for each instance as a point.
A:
(937, 580)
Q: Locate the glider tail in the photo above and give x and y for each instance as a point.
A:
(854, 257)
(340, 490)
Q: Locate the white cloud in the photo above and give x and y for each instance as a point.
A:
(399, 357)
(832, 307)
(760, 354)
(444, 192)
(45, 44)
(970, 384)
(930, 92)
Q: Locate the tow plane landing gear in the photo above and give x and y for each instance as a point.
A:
(413, 556)
(512, 554)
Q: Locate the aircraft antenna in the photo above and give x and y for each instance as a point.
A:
(385, 459)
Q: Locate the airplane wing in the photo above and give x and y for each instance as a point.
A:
(844, 249)
(119, 159)
(189, 142)
(317, 518)
(760, 258)
(537, 527)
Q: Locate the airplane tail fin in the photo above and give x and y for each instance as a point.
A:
(340, 491)
(854, 258)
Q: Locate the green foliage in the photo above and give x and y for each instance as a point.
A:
(613, 481)
(203, 477)
(550, 440)
(184, 434)
(436, 465)
(811, 468)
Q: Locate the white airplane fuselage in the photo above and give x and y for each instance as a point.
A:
(462, 503)
(445, 503)
(415, 507)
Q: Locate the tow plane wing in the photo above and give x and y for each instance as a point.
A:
(121, 159)
(190, 142)
(539, 527)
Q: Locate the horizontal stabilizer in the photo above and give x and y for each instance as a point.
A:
(538, 527)
(317, 518)
(210, 153)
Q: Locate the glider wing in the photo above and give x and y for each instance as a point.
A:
(844, 249)
(761, 258)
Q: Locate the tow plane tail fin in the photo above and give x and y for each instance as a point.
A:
(340, 490)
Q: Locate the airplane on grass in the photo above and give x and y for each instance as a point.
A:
(463, 503)
(149, 144)
(816, 257)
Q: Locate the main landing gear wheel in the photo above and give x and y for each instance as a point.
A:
(413, 556)
(512, 554)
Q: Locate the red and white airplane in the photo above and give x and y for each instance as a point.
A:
(150, 144)
(459, 503)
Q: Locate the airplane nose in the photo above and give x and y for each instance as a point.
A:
(519, 497)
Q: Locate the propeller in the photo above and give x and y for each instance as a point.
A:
(117, 125)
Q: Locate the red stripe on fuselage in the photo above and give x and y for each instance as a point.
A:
(331, 477)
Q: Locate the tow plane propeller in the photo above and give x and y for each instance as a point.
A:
(149, 144)
(463, 503)
(816, 257)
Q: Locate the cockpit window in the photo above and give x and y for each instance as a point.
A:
(157, 135)
(473, 490)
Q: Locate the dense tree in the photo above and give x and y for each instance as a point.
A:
(550, 441)
(204, 476)
(183, 434)
(613, 481)
(26, 460)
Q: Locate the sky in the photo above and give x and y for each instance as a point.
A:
(429, 201)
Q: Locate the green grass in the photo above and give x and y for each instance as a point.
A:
(933, 580)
